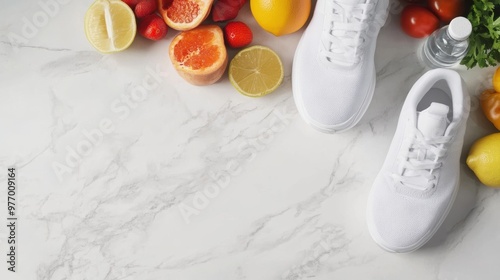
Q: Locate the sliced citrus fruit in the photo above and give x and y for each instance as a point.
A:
(199, 55)
(110, 25)
(184, 14)
(256, 71)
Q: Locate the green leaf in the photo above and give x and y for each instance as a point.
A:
(484, 42)
(496, 23)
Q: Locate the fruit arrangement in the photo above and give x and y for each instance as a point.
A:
(419, 18)
(149, 24)
(198, 52)
(490, 101)
(484, 155)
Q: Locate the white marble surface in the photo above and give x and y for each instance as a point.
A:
(201, 182)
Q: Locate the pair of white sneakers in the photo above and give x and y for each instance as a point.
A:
(333, 82)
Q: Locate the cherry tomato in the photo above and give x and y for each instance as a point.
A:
(447, 10)
(418, 22)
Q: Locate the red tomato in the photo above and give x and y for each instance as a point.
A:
(418, 22)
(447, 10)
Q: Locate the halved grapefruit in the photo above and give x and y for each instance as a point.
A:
(184, 14)
(199, 55)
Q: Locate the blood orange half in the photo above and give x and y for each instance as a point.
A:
(184, 14)
(199, 55)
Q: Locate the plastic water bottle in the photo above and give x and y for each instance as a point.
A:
(447, 45)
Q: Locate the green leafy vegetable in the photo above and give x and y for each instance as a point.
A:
(484, 42)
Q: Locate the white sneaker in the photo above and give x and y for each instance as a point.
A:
(333, 75)
(418, 182)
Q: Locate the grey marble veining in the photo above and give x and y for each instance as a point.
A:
(186, 182)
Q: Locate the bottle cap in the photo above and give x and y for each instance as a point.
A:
(460, 28)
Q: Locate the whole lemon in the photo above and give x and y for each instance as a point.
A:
(280, 17)
(484, 160)
(496, 80)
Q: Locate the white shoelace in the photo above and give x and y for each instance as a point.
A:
(345, 37)
(423, 160)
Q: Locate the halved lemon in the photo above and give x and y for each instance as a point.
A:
(110, 25)
(256, 71)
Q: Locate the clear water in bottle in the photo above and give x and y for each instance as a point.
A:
(447, 45)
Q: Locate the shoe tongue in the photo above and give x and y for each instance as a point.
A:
(433, 121)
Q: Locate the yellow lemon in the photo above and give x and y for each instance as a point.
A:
(256, 71)
(280, 17)
(496, 80)
(484, 160)
(110, 25)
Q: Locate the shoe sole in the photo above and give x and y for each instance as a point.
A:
(350, 123)
(421, 242)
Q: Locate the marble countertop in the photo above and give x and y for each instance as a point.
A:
(125, 171)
